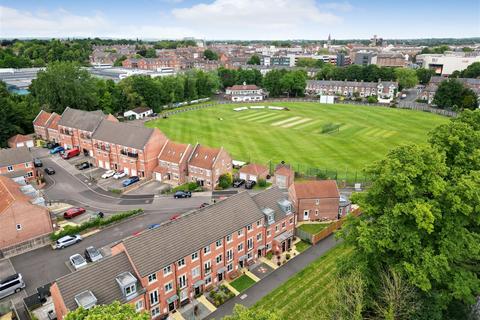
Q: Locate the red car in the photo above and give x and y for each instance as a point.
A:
(73, 212)
(175, 217)
(67, 154)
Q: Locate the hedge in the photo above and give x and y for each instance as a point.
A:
(94, 223)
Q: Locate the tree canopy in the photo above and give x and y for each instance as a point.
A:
(407, 78)
(452, 94)
(254, 60)
(210, 54)
(114, 311)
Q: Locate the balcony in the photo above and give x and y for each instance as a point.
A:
(129, 154)
(102, 147)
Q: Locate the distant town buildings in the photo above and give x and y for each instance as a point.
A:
(428, 93)
(445, 64)
(381, 89)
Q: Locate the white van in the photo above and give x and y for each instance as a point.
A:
(11, 285)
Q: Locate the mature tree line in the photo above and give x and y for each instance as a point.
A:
(421, 221)
(472, 71)
(454, 95)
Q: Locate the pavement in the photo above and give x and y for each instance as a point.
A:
(276, 278)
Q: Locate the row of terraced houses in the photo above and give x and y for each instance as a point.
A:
(135, 150)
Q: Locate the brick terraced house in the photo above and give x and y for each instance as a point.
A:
(40, 124)
(382, 89)
(316, 200)
(206, 165)
(161, 269)
(128, 148)
(173, 163)
(17, 163)
(253, 171)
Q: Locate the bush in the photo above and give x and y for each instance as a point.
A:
(372, 99)
(190, 186)
(287, 256)
(262, 183)
(269, 255)
(225, 180)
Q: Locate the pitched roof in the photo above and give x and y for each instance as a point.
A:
(283, 169)
(99, 278)
(173, 152)
(53, 121)
(204, 157)
(20, 138)
(269, 199)
(7, 197)
(80, 119)
(42, 118)
(316, 189)
(243, 87)
(254, 169)
(123, 134)
(10, 157)
(154, 249)
(141, 109)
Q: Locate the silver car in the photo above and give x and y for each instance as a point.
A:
(11, 285)
(77, 261)
(66, 241)
(92, 254)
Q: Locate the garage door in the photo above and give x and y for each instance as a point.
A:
(126, 171)
(107, 165)
(30, 144)
(253, 178)
(20, 144)
(243, 176)
(158, 176)
(134, 172)
(281, 181)
(100, 163)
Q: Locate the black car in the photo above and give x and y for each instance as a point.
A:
(49, 171)
(52, 145)
(182, 194)
(37, 163)
(237, 183)
(83, 165)
(250, 184)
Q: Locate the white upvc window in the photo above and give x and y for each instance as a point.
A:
(206, 250)
(152, 277)
(10, 168)
(194, 256)
(153, 297)
(167, 270)
(218, 244)
(182, 281)
(139, 305)
(168, 287)
(219, 258)
(250, 244)
(181, 263)
(195, 272)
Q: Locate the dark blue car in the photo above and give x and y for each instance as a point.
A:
(130, 181)
(57, 150)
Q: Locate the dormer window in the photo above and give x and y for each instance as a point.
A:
(130, 290)
(128, 284)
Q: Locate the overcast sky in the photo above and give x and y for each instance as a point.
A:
(240, 19)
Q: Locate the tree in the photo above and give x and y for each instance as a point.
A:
(254, 60)
(271, 82)
(424, 75)
(114, 311)
(240, 312)
(210, 55)
(472, 71)
(225, 180)
(227, 76)
(451, 94)
(309, 63)
(118, 62)
(294, 82)
(407, 78)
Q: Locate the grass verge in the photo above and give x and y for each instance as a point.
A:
(242, 283)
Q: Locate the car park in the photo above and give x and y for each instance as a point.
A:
(108, 174)
(250, 184)
(68, 154)
(73, 212)
(119, 175)
(37, 163)
(67, 241)
(11, 284)
(92, 254)
(57, 150)
(238, 183)
(83, 165)
(77, 261)
(130, 181)
(182, 194)
(49, 170)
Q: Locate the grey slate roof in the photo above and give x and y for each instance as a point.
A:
(99, 278)
(14, 156)
(340, 83)
(154, 249)
(123, 134)
(79, 119)
(269, 199)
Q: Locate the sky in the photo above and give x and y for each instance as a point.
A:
(240, 19)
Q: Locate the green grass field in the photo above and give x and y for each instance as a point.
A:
(242, 283)
(365, 134)
(313, 228)
(298, 298)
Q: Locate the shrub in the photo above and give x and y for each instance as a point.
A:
(287, 256)
(262, 183)
(225, 180)
(269, 255)
(372, 99)
(116, 191)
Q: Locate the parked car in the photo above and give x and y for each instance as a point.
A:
(67, 241)
(37, 163)
(250, 184)
(238, 183)
(68, 154)
(119, 175)
(77, 261)
(130, 181)
(57, 150)
(175, 216)
(11, 284)
(203, 205)
(51, 145)
(49, 170)
(83, 165)
(73, 212)
(108, 174)
(92, 254)
(182, 194)
(153, 226)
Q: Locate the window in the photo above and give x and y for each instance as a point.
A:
(317, 202)
(276, 228)
(206, 250)
(168, 287)
(27, 165)
(240, 247)
(250, 244)
(230, 255)
(259, 237)
(155, 312)
(154, 297)
(19, 227)
(167, 270)
(249, 228)
(130, 290)
(182, 281)
(208, 267)
(208, 280)
(10, 168)
(194, 256)
(229, 238)
(316, 213)
(259, 222)
(283, 225)
(181, 263)
(229, 267)
(139, 305)
(195, 272)
(219, 258)
(152, 278)
(240, 233)
(218, 243)
(291, 220)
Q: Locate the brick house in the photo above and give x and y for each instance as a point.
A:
(17, 163)
(20, 140)
(173, 163)
(253, 171)
(315, 200)
(284, 176)
(52, 127)
(206, 165)
(40, 124)
(125, 147)
(382, 89)
(244, 92)
(198, 251)
(20, 220)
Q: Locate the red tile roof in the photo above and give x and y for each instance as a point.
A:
(243, 87)
(316, 189)
(54, 121)
(283, 170)
(204, 157)
(9, 193)
(254, 169)
(42, 118)
(174, 152)
(20, 138)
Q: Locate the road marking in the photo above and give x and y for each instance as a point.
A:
(243, 296)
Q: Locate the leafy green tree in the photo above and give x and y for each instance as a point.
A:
(114, 311)
(119, 61)
(65, 84)
(227, 77)
(424, 75)
(272, 82)
(293, 83)
(210, 54)
(242, 313)
(254, 60)
(451, 94)
(309, 63)
(472, 71)
(225, 180)
(407, 78)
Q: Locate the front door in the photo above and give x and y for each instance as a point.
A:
(259, 253)
(198, 290)
(289, 244)
(305, 215)
(241, 264)
(220, 277)
(171, 306)
(283, 246)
